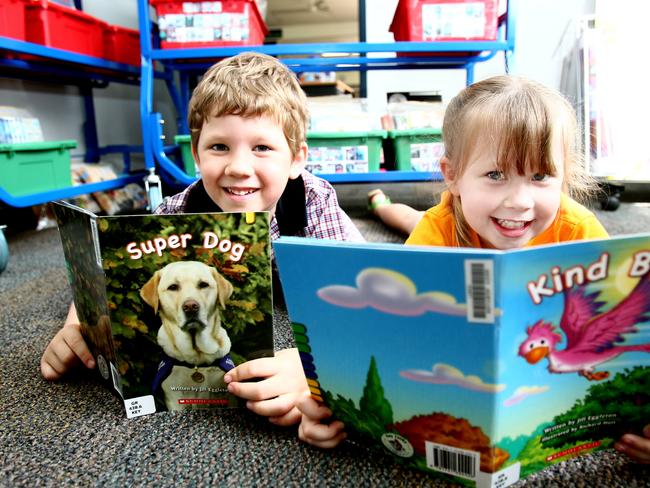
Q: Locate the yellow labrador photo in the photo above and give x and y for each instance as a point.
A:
(187, 296)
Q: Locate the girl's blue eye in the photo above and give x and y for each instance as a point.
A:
(495, 175)
(540, 177)
(262, 148)
(219, 147)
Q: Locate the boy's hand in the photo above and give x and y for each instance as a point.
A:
(283, 381)
(636, 447)
(312, 430)
(64, 352)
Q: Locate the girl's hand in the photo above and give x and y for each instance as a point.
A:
(283, 382)
(312, 430)
(636, 447)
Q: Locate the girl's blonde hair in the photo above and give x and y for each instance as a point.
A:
(522, 118)
(251, 85)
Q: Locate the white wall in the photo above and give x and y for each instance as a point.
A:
(540, 46)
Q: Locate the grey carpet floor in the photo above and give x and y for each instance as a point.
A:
(75, 433)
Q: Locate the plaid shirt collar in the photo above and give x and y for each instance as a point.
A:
(308, 208)
(290, 214)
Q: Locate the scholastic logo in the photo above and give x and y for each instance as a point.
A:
(202, 401)
(573, 450)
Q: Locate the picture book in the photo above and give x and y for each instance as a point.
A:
(479, 366)
(169, 303)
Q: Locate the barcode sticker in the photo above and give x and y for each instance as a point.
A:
(479, 282)
(95, 234)
(452, 460)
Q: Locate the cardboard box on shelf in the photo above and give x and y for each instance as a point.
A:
(128, 199)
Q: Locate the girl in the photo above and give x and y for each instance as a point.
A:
(511, 166)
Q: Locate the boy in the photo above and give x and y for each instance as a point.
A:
(248, 122)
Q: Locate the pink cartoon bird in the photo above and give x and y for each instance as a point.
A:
(592, 337)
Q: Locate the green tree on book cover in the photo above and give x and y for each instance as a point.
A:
(626, 396)
(374, 412)
(373, 400)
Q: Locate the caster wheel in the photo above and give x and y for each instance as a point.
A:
(4, 251)
(611, 203)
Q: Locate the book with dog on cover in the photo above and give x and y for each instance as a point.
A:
(169, 303)
(478, 366)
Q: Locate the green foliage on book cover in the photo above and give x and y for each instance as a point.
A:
(374, 412)
(83, 273)
(608, 410)
(247, 317)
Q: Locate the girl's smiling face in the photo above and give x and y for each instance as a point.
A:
(246, 162)
(506, 210)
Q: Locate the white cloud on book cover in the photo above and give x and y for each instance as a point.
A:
(390, 292)
(522, 393)
(445, 374)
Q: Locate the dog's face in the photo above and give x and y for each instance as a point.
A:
(186, 295)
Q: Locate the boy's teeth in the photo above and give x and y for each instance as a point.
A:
(511, 224)
(240, 192)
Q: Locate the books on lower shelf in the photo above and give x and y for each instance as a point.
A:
(478, 366)
(169, 303)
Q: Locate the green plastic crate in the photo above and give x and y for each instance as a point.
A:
(185, 143)
(417, 149)
(34, 167)
(344, 152)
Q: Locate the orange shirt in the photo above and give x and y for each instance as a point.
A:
(573, 222)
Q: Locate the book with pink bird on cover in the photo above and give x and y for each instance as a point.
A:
(478, 366)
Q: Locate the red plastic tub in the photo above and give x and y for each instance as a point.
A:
(12, 19)
(196, 23)
(445, 20)
(122, 45)
(62, 27)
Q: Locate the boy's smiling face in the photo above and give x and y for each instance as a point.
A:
(246, 162)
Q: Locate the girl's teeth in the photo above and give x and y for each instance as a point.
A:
(511, 224)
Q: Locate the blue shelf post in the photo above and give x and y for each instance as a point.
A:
(90, 125)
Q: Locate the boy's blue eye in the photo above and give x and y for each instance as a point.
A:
(540, 177)
(262, 147)
(219, 147)
(495, 175)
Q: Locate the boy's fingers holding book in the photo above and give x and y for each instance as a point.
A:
(273, 405)
(311, 408)
(257, 368)
(266, 389)
(64, 351)
(75, 341)
(48, 371)
(286, 360)
(290, 418)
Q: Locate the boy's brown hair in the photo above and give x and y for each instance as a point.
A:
(522, 117)
(251, 85)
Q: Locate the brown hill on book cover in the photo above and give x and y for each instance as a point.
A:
(445, 429)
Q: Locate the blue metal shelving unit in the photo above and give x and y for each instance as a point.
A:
(53, 65)
(302, 57)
